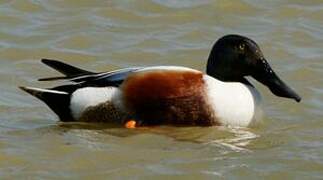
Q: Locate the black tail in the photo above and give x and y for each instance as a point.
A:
(66, 69)
(58, 101)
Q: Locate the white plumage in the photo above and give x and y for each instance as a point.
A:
(234, 103)
(84, 98)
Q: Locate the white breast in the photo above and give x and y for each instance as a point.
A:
(235, 104)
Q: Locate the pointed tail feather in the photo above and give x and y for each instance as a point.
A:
(58, 101)
(68, 70)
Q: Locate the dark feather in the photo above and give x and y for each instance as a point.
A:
(66, 69)
(87, 78)
(54, 78)
(113, 78)
(58, 102)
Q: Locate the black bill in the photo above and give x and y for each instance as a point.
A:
(264, 74)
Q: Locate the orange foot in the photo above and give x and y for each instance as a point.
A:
(130, 124)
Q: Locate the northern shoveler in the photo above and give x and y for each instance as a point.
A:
(168, 94)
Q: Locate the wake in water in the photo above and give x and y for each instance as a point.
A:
(242, 138)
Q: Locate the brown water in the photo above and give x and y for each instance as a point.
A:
(105, 35)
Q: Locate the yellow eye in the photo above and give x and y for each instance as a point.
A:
(242, 46)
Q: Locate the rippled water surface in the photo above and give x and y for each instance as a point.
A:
(105, 35)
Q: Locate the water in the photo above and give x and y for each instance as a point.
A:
(105, 35)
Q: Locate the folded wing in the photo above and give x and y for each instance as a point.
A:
(86, 78)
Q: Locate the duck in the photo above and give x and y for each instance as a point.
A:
(168, 95)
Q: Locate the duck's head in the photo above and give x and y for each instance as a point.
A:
(233, 57)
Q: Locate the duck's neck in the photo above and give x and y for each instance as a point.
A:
(220, 75)
(223, 72)
(242, 80)
(245, 81)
